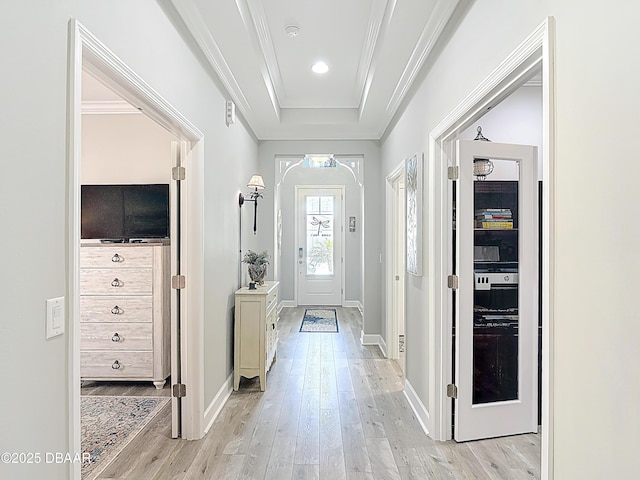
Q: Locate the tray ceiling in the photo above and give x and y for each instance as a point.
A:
(373, 48)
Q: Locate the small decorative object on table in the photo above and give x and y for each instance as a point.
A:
(257, 265)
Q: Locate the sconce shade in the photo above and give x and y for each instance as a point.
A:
(256, 182)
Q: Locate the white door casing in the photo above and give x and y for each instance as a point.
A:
(319, 240)
(517, 414)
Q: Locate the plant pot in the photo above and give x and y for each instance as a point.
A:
(257, 273)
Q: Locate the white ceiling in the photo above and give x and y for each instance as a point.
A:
(374, 49)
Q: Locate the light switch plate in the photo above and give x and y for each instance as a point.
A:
(55, 317)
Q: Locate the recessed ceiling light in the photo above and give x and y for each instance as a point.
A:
(292, 30)
(320, 67)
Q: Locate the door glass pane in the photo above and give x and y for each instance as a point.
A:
(495, 319)
(319, 234)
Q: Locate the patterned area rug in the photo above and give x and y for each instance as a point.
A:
(108, 424)
(319, 320)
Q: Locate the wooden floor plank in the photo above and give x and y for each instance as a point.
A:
(333, 409)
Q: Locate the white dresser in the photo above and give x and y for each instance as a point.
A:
(125, 312)
(256, 332)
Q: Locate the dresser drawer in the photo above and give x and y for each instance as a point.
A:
(116, 257)
(125, 281)
(97, 365)
(116, 336)
(116, 309)
(272, 300)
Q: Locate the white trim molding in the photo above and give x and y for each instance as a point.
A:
(215, 407)
(373, 339)
(354, 304)
(108, 107)
(420, 411)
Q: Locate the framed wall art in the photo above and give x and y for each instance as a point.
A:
(413, 183)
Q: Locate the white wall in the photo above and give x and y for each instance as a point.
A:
(517, 119)
(596, 351)
(372, 224)
(125, 149)
(353, 240)
(33, 95)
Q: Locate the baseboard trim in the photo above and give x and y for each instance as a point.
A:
(353, 304)
(374, 339)
(286, 303)
(420, 411)
(383, 346)
(215, 407)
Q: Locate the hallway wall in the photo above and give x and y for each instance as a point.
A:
(33, 95)
(595, 395)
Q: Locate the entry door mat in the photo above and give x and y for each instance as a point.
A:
(319, 320)
(109, 424)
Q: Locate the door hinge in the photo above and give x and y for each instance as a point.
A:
(179, 390)
(178, 173)
(452, 282)
(452, 391)
(453, 173)
(178, 282)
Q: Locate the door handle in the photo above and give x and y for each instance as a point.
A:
(300, 252)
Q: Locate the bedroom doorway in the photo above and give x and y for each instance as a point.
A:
(88, 54)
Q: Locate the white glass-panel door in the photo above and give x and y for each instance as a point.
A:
(319, 245)
(496, 321)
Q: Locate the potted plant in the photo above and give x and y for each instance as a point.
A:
(257, 265)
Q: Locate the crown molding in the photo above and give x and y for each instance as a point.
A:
(108, 107)
(431, 32)
(381, 13)
(192, 18)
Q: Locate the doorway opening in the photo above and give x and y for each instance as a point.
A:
(534, 55)
(88, 54)
(396, 270)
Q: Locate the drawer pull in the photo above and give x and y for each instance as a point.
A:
(117, 258)
(117, 283)
(116, 338)
(273, 326)
(117, 310)
(116, 365)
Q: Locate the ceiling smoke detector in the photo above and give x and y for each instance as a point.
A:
(292, 30)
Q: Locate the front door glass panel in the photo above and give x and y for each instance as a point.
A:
(320, 234)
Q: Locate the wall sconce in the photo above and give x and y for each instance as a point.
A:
(257, 184)
(482, 166)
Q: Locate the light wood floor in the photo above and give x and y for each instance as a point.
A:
(333, 409)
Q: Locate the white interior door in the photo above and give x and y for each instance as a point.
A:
(399, 261)
(319, 245)
(496, 320)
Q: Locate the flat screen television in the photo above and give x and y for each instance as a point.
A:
(124, 212)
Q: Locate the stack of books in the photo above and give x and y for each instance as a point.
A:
(494, 218)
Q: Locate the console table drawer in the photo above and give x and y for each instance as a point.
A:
(111, 365)
(116, 336)
(126, 281)
(116, 309)
(116, 257)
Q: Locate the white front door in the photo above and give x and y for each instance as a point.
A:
(496, 322)
(319, 245)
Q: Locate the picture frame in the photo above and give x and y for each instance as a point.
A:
(414, 192)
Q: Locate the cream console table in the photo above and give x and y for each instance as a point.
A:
(125, 312)
(256, 332)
